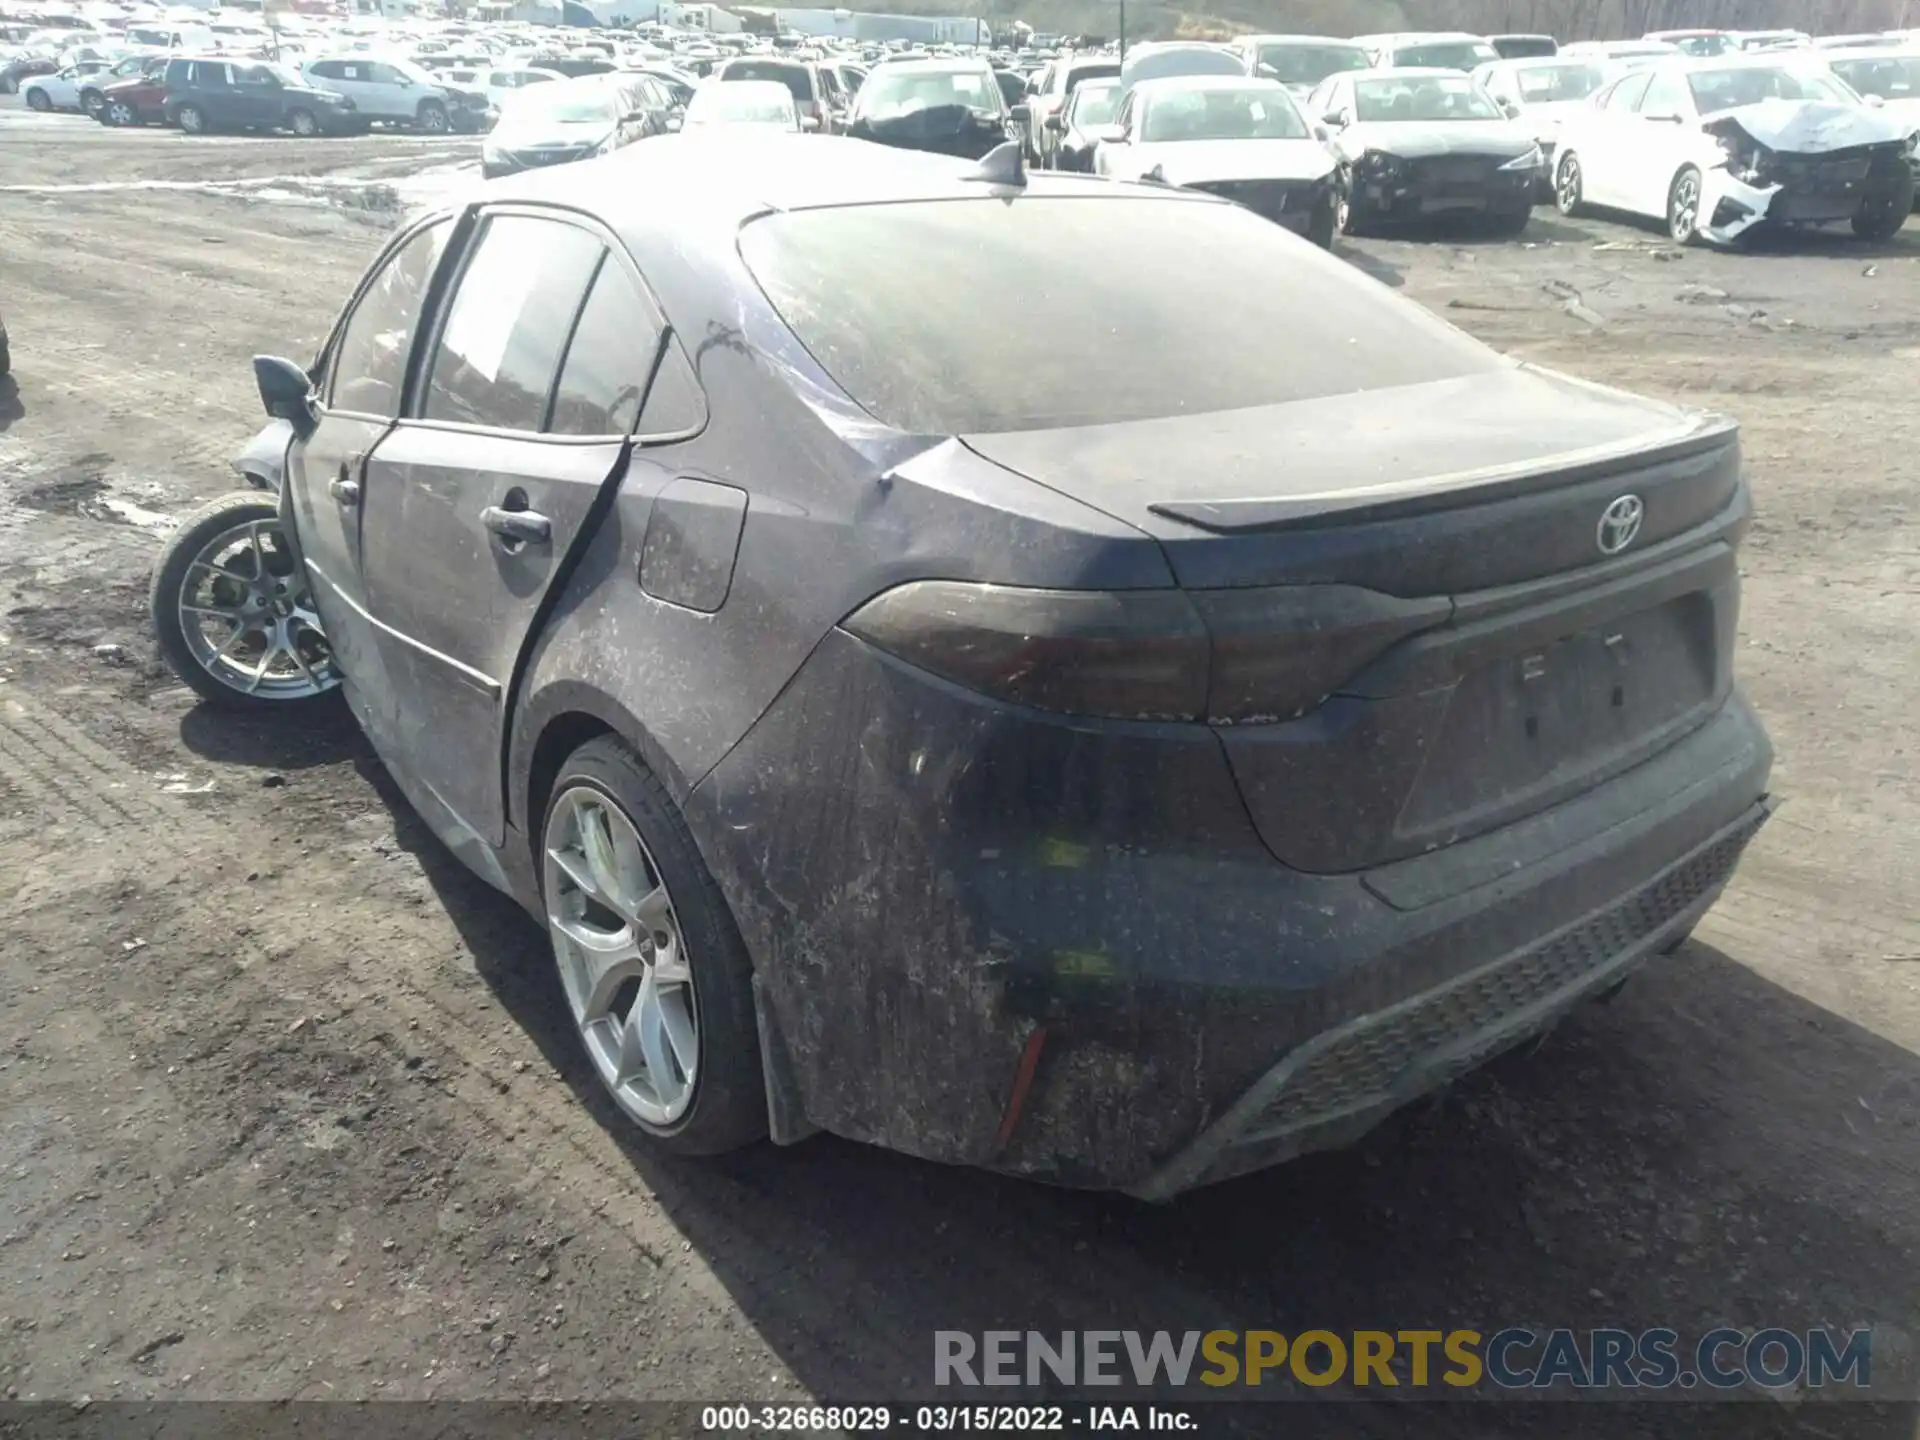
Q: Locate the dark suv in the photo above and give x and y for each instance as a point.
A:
(212, 93)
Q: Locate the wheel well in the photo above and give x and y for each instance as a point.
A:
(564, 735)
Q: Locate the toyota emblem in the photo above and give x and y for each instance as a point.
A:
(1620, 524)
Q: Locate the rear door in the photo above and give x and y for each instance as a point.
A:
(213, 92)
(352, 79)
(1608, 143)
(475, 502)
(358, 399)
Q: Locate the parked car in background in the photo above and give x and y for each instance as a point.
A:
(211, 92)
(575, 119)
(62, 89)
(946, 107)
(20, 68)
(1090, 110)
(1702, 44)
(1420, 143)
(502, 82)
(1524, 47)
(1769, 40)
(1062, 76)
(1716, 147)
(678, 85)
(138, 100)
(1543, 93)
(744, 104)
(683, 639)
(851, 76)
(1237, 137)
(398, 92)
(93, 98)
(1427, 50)
(802, 82)
(1622, 54)
(1299, 62)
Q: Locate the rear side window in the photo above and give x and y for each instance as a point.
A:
(369, 368)
(510, 319)
(326, 69)
(605, 376)
(1054, 312)
(1626, 95)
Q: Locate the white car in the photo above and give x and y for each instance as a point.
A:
(1543, 93)
(742, 105)
(1234, 136)
(1716, 147)
(61, 91)
(503, 82)
(1623, 54)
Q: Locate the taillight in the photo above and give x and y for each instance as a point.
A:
(1222, 656)
(1132, 655)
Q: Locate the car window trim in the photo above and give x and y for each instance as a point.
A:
(420, 374)
(323, 362)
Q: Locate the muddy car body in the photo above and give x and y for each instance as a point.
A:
(1125, 772)
(1716, 148)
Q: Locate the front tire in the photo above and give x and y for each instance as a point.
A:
(1321, 226)
(193, 120)
(650, 962)
(302, 123)
(93, 102)
(1569, 185)
(1683, 207)
(1349, 216)
(1882, 217)
(229, 567)
(119, 113)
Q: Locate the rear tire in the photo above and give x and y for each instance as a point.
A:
(433, 117)
(93, 102)
(192, 119)
(37, 100)
(728, 1106)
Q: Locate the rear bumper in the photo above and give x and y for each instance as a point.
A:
(928, 880)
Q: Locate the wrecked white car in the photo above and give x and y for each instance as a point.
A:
(1715, 148)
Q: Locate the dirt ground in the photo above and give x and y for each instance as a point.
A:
(289, 1107)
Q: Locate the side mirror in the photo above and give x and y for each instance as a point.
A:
(1021, 115)
(1875, 102)
(809, 122)
(1335, 119)
(1109, 134)
(674, 122)
(287, 392)
(1509, 108)
(1322, 134)
(1056, 123)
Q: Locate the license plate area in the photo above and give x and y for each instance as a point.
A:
(1582, 704)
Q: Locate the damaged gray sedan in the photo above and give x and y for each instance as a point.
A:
(1032, 720)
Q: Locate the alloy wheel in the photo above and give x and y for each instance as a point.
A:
(622, 958)
(120, 113)
(1683, 209)
(1568, 185)
(249, 620)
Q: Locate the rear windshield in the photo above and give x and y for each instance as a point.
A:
(797, 79)
(1067, 311)
(1309, 64)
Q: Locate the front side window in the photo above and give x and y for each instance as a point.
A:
(1089, 310)
(369, 365)
(509, 321)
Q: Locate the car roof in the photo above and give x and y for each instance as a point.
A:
(1418, 37)
(1404, 72)
(731, 182)
(1167, 84)
(1296, 40)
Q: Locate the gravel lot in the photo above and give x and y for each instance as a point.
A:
(289, 1106)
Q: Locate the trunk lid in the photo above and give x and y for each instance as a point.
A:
(1543, 637)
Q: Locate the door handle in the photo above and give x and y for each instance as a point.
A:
(523, 527)
(346, 491)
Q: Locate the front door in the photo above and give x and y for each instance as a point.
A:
(359, 397)
(474, 504)
(258, 97)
